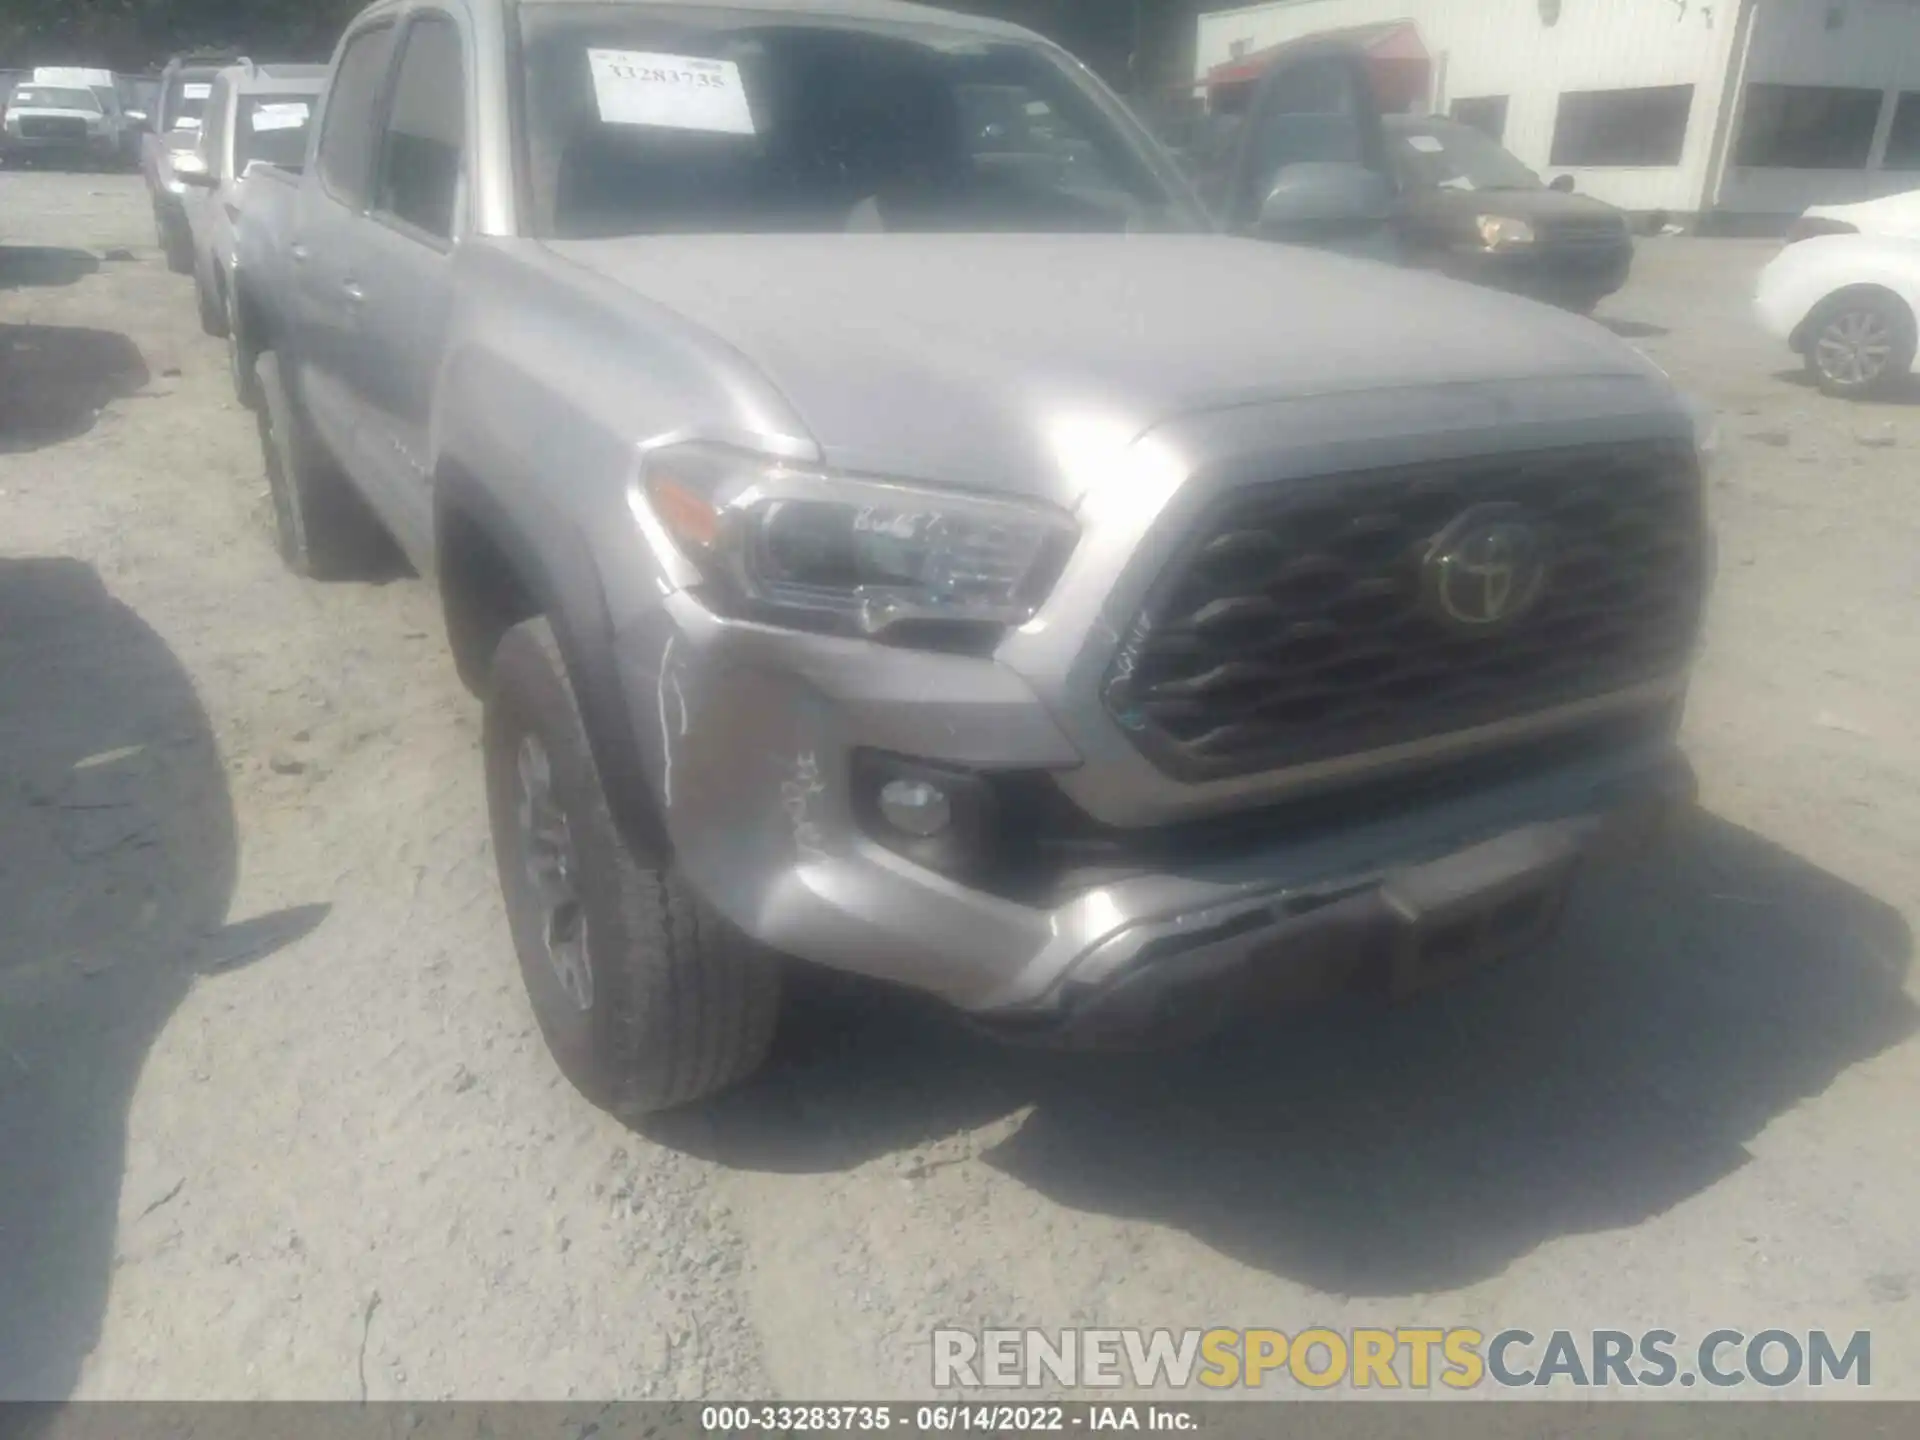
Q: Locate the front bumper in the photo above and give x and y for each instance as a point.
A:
(95, 146)
(1573, 274)
(759, 740)
(1395, 932)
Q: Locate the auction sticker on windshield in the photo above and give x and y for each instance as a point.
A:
(679, 92)
(197, 91)
(283, 115)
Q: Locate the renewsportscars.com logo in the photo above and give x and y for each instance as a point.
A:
(1414, 1358)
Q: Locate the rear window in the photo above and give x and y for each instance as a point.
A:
(54, 97)
(273, 128)
(726, 122)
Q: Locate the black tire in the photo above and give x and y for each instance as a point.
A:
(241, 346)
(213, 315)
(240, 362)
(322, 529)
(1860, 343)
(676, 1004)
(175, 242)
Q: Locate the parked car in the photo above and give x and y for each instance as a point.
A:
(185, 85)
(1470, 209)
(986, 579)
(1845, 303)
(1897, 215)
(256, 114)
(66, 124)
(1440, 195)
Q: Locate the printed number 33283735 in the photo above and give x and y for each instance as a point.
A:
(654, 75)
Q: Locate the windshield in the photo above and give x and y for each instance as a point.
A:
(696, 122)
(1456, 156)
(55, 97)
(272, 128)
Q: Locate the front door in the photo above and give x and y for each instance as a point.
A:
(324, 252)
(407, 249)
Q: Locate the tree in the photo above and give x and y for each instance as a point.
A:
(137, 34)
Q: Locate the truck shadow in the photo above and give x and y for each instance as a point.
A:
(55, 379)
(1367, 1151)
(23, 265)
(117, 862)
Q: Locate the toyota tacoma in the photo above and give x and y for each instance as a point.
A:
(901, 539)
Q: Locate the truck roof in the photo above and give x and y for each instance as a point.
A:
(247, 78)
(899, 11)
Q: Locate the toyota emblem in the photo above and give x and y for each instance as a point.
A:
(1487, 568)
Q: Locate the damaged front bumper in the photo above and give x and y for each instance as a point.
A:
(768, 743)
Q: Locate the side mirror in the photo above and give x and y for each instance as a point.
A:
(1326, 193)
(1562, 183)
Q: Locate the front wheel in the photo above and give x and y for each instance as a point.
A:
(213, 315)
(1860, 343)
(646, 996)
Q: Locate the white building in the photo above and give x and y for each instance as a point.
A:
(1743, 109)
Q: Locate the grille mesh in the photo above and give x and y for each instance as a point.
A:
(1294, 628)
(52, 127)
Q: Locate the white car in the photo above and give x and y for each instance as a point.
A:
(1846, 304)
(1897, 215)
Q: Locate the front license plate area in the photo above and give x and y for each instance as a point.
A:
(1475, 909)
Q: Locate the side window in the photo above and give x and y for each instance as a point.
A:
(1485, 113)
(426, 131)
(353, 102)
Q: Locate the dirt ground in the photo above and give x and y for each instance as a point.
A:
(275, 1120)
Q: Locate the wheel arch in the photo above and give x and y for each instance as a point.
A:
(1826, 304)
(493, 575)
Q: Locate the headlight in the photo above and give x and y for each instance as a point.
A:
(860, 555)
(1504, 232)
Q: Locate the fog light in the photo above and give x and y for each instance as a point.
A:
(915, 808)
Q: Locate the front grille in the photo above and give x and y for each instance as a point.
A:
(52, 127)
(1300, 623)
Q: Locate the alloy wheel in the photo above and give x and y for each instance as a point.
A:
(547, 852)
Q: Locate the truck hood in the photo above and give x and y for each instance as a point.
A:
(958, 358)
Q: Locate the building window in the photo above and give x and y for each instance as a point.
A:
(1807, 127)
(1485, 113)
(1903, 141)
(1646, 126)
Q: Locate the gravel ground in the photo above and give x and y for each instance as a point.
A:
(275, 1120)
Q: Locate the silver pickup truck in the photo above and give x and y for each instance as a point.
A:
(918, 545)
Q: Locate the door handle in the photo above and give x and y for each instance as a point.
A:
(299, 253)
(355, 294)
